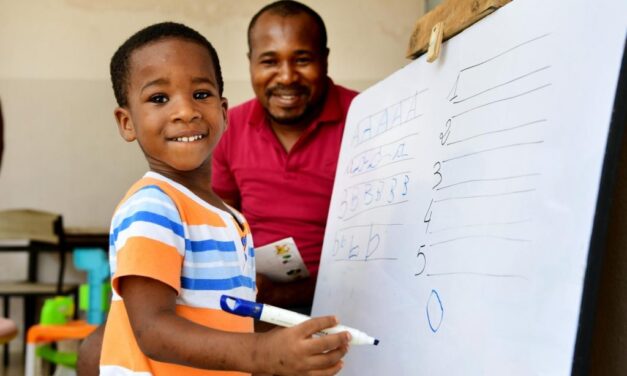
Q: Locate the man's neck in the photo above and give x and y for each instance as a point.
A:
(288, 134)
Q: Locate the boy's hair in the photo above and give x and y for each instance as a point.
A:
(286, 8)
(120, 62)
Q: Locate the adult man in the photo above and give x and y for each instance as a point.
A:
(277, 160)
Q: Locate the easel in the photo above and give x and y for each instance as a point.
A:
(607, 335)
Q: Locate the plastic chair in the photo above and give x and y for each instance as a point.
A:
(55, 326)
(95, 262)
(32, 231)
(55, 322)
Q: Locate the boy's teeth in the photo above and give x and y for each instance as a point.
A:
(188, 139)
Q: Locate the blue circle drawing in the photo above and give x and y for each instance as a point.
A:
(435, 311)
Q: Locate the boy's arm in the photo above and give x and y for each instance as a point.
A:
(89, 353)
(164, 336)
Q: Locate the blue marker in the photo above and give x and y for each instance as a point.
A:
(283, 317)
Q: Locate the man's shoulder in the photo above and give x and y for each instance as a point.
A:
(343, 90)
(243, 109)
(243, 114)
(344, 94)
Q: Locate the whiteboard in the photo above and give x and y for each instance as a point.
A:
(463, 208)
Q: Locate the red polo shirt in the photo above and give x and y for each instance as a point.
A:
(282, 194)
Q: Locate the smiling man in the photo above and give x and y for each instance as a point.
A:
(277, 161)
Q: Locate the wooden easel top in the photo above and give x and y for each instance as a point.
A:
(455, 16)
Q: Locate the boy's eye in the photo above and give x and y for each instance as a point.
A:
(158, 98)
(202, 95)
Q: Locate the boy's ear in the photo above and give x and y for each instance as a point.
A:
(125, 124)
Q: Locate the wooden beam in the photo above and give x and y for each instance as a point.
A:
(456, 15)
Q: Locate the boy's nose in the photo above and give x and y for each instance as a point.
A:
(185, 110)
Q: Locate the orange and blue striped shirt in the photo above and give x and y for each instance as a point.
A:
(162, 230)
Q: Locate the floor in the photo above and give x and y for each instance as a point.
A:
(16, 362)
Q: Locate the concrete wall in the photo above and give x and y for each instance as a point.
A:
(63, 152)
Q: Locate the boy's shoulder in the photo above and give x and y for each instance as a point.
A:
(160, 193)
(148, 184)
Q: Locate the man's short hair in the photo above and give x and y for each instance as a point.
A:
(120, 62)
(286, 8)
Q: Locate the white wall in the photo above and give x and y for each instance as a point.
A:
(63, 152)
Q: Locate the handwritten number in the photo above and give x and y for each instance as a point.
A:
(422, 261)
(453, 93)
(392, 188)
(437, 173)
(447, 132)
(405, 182)
(354, 200)
(427, 218)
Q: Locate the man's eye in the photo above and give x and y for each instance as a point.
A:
(268, 62)
(158, 98)
(202, 95)
(303, 60)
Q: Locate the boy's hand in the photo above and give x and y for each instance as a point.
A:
(293, 351)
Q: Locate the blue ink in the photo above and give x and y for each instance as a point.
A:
(434, 304)
(370, 249)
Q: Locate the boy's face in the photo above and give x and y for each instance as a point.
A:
(174, 108)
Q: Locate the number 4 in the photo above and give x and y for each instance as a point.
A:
(427, 218)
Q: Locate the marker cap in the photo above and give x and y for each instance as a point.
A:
(241, 307)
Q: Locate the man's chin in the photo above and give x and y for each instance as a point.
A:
(288, 119)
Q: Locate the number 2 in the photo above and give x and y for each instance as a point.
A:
(447, 132)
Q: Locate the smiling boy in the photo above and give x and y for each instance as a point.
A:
(175, 247)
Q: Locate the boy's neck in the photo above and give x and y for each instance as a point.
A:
(199, 183)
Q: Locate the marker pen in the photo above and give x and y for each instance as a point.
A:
(283, 317)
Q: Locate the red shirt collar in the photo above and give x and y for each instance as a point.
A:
(331, 112)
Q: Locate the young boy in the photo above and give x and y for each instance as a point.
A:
(175, 247)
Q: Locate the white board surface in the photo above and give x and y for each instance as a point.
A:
(466, 189)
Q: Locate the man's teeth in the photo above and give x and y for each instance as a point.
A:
(188, 139)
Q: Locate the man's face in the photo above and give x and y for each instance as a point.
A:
(288, 67)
